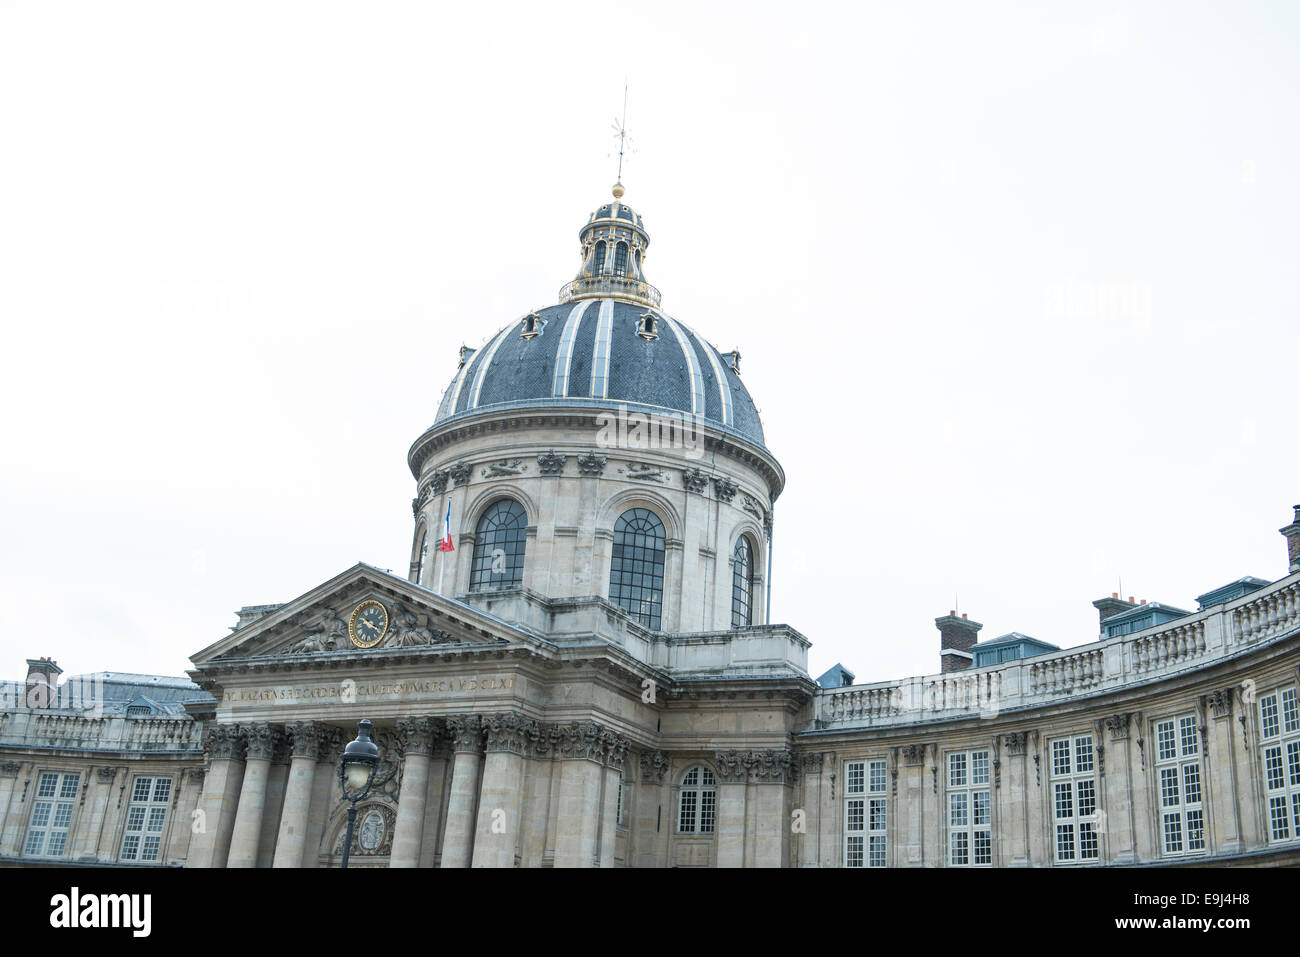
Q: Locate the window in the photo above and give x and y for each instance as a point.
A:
(1074, 799)
(620, 259)
(636, 572)
(742, 583)
(970, 810)
(145, 818)
(499, 547)
(865, 815)
(1178, 776)
(423, 539)
(697, 808)
(47, 830)
(618, 811)
(598, 264)
(1279, 729)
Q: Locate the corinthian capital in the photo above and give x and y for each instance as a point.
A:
(508, 732)
(466, 732)
(261, 739)
(224, 742)
(417, 734)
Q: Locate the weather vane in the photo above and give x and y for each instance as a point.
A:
(620, 128)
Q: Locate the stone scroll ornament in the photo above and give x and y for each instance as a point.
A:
(550, 463)
(591, 464)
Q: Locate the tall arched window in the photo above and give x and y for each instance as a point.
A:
(742, 583)
(598, 264)
(620, 259)
(499, 546)
(422, 544)
(697, 806)
(636, 573)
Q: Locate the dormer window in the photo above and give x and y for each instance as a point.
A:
(532, 326)
(647, 326)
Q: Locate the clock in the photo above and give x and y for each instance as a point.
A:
(368, 624)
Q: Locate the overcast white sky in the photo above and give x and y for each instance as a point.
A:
(1015, 287)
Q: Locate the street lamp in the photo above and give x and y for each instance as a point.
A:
(356, 774)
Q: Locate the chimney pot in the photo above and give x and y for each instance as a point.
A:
(1131, 601)
(964, 615)
(1142, 602)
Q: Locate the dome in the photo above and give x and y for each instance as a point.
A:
(606, 343)
(602, 352)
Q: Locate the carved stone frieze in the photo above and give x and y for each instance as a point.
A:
(418, 735)
(224, 742)
(107, 775)
(913, 754)
(260, 739)
(1015, 742)
(641, 472)
(591, 464)
(550, 463)
(460, 472)
(1221, 702)
(466, 732)
(695, 480)
(654, 765)
(438, 481)
(763, 767)
(505, 467)
(724, 488)
(508, 732)
(1118, 725)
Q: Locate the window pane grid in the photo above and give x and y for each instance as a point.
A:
(970, 835)
(142, 836)
(636, 571)
(1179, 768)
(865, 818)
(697, 807)
(47, 829)
(499, 544)
(1279, 726)
(1074, 799)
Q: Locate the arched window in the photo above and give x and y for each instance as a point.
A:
(499, 547)
(636, 573)
(742, 584)
(620, 259)
(697, 807)
(598, 264)
(417, 566)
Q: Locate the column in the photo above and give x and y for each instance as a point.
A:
(417, 742)
(540, 767)
(8, 781)
(1115, 820)
(614, 759)
(496, 838)
(326, 792)
(911, 819)
(190, 784)
(582, 767)
(462, 806)
(213, 825)
(435, 804)
(733, 780)
(1013, 822)
(277, 781)
(89, 836)
(252, 797)
(290, 843)
(811, 803)
(772, 772)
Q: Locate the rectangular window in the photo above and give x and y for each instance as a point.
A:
(47, 829)
(1279, 729)
(970, 802)
(1074, 799)
(865, 815)
(1178, 769)
(145, 817)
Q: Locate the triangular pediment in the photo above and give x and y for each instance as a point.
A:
(320, 622)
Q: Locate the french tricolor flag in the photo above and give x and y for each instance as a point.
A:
(445, 545)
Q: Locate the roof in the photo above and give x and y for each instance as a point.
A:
(1013, 638)
(588, 353)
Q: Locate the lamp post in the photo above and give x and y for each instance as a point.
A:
(356, 774)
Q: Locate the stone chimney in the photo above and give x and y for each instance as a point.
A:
(956, 638)
(1292, 533)
(42, 682)
(1106, 607)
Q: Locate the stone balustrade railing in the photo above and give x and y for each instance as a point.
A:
(48, 729)
(1266, 615)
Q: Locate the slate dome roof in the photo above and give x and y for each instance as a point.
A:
(589, 353)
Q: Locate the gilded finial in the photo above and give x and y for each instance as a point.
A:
(618, 190)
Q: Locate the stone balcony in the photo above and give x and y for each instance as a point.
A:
(1194, 642)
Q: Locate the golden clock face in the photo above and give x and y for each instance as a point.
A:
(368, 624)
